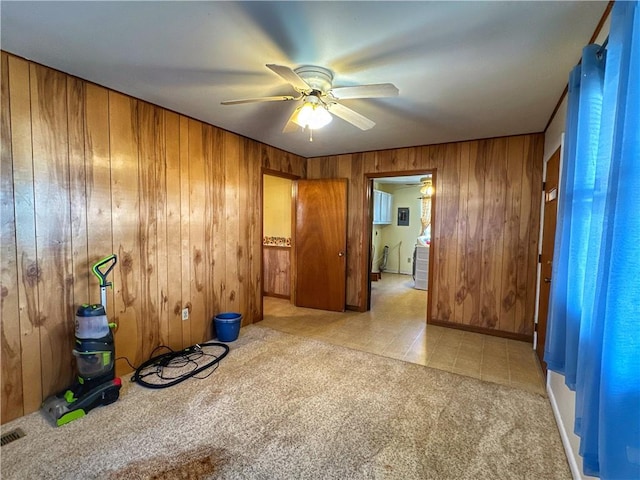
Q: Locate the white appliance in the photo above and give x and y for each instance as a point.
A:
(421, 267)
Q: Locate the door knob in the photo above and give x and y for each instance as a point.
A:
(547, 279)
(341, 254)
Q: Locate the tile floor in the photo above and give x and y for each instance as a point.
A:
(395, 327)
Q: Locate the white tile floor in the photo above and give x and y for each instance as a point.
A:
(395, 327)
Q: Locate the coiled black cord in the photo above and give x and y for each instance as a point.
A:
(161, 364)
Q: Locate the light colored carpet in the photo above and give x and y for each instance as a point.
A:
(286, 407)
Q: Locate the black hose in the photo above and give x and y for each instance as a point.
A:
(162, 361)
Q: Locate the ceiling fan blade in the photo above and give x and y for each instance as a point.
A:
(292, 126)
(353, 117)
(365, 91)
(290, 76)
(259, 99)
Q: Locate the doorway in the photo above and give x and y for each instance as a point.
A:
(277, 233)
(400, 224)
(304, 232)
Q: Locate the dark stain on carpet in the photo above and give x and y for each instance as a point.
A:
(191, 465)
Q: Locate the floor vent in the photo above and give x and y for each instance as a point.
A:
(12, 436)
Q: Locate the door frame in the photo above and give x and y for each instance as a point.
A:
(276, 173)
(552, 151)
(367, 229)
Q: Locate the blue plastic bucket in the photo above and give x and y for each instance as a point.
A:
(227, 326)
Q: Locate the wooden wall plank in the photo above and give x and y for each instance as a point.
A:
(211, 159)
(514, 190)
(77, 194)
(401, 159)
(29, 273)
(493, 229)
(162, 253)
(524, 233)
(329, 168)
(185, 232)
(172, 228)
(443, 307)
(287, 164)
(197, 240)
(98, 189)
(12, 399)
(254, 197)
(213, 251)
(265, 158)
(413, 159)
(473, 239)
(215, 204)
(384, 161)
(461, 274)
(343, 170)
(245, 196)
(148, 129)
(123, 139)
(313, 170)
(353, 170)
(233, 245)
(533, 154)
(449, 227)
(423, 161)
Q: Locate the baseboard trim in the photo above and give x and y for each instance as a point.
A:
(568, 450)
(276, 295)
(486, 331)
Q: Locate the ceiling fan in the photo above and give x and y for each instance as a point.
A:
(319, 99)
(426, 186)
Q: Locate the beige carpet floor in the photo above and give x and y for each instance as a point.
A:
(287, 407)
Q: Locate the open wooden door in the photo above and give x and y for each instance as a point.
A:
(546, 258)
(321, 244)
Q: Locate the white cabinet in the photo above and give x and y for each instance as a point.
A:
(421, 267)
(382, 207)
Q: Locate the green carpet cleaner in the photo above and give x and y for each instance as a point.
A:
(94, 350)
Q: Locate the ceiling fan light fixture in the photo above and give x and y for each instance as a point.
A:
(427, 187)
(312, 116)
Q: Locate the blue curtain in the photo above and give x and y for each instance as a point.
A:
(594, 313)
(574, 213)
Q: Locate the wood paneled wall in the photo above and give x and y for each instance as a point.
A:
(277, 271)
(87, 172)
(485, 234)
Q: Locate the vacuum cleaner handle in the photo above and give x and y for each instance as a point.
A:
(110, 261)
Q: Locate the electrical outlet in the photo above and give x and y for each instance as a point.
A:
(185, 314)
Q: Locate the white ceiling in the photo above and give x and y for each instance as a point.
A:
(403, 180)
(465, 70)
